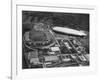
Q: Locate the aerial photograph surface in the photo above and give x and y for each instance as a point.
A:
(55, 39)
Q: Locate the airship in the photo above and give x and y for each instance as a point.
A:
(69, 31)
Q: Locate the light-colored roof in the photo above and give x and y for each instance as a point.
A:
(51, 58)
